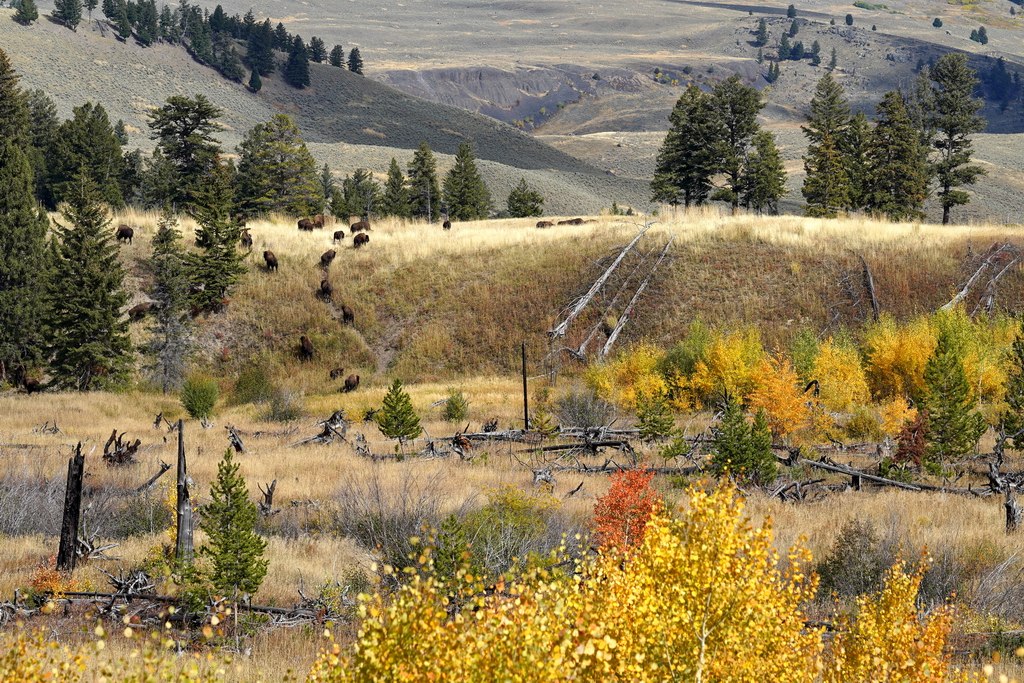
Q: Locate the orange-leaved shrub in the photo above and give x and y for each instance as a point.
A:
(621, 515)
(779, 396)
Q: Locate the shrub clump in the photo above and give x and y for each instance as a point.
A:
(199, 396)
(456, 406)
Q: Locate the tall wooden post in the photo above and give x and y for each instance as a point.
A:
(526, 401)
(183, 541)
(67, 554)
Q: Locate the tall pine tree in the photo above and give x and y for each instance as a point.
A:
(85, 143)
(897, 169)
(68, 12)
(424, 194)
(764, 176)
(276, 172)
(465, 193)
(171, 334)
(955, 119)
(183, 129)
(296, 69)
(395, 201)
(218, 265)
(355, 61)
(736, 106)
(260, 54)
(687, 159)
(14, 113)
(88, 335)
(826, 185)
(855, 153)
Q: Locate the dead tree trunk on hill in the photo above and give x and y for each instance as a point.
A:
(624, 318)
(67, 552)
(183, 549)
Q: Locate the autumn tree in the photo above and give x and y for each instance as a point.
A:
(621, 515)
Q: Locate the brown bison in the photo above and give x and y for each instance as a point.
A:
(139, 311)
(572, 221)
(326, 291)
(326, 258)
(360, 227)
(271, 260)
(339, 235)
(245, 239)
(306, 225)
(447, 225)
(351, 383)
(348, 316)
(125, 233)
(305, 348)
(337, 372)
(544, 224)
(360, 239)
(319, 221)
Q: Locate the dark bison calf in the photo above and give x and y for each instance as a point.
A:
(360, 239)
(544, 224)
(245, 239)
(348, 316)
(326, 258)
(337, 372)
(305, 348)
(271, 260)
(326, 291)
(139, 311)
(351, 383)
(360, 227)
(339, 235)
(447, 225)
(125, 233)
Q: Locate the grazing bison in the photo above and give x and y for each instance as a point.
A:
(305, 348)
(544, 224)
(306, 225)
(326, 291)
(351, 383)
(139, 311)
(319, 221)
(348, 317)
(326, 258)
(271, 260)
(245, 239)
(447, 225)
(360, 239)
(360, 227)
(339, 235)
(572, 221)
(337, 372)
(125, 233)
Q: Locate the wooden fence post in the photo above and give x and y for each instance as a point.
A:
(183, 541)
(526, 400)
(67, 554)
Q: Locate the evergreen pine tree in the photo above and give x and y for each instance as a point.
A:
(317, 50)
(355, 61)
(897, 175)
(465, 193)
(785, 50)
(41, 132)
(849, 20)
(653, 417)
(396, 418)
(524, 202)
(296, 69)
(798, 51)
(90, 5)
(327, 184)
(122, 24)
(86, 143)
(395, 201)
(27, 12)
(791, 12)
(764, 176)
(183, 129)
(276, 172)
(255, 82)
(815, 53)
(424, 194)
(832, 61)
(1013, 415)
(826, 185)
(854, 148)
(736, 106)
(337, 56)
(87, 334)
(260, 54)
(360, 195)
(14, 112)
(68, 13)
(24, 265)
(793, 29)
(218, 265)
(761, 36)
(743, 450)
(687, 159)
(955, 120)
(233, 546)
(171, 335)
(953, 426)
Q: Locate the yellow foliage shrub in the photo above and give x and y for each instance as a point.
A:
(895, 413)
(780, 396)
(634, 372)
(896, 355)
(730, 364)
(840, 376)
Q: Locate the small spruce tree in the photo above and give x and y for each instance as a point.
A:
(396, 419)
(849, 20)
(317, 50)
(255, 82)
(27, 12)
(171, 334)
(794, 28)
(395, 201)
(465, 193)
(524, 202)
(654, 417)
(355, 61)
(68, 12)
(743, 449)
(761, 36)
(217, 266)
(791, 12)
(764, 175)
(937, 23)
(424, 192)
(953, 424)
(826, 184)
(337, 57)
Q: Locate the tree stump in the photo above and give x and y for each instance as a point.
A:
(1013, 513)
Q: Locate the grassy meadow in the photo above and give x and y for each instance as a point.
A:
(447, 310)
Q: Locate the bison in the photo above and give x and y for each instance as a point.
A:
(351, 383)
(572, 221)
(337, 372)
(305, 225)
(139, 311)
(360, 227)
(447, 225)
(339, 235)
(544, 224)
(305, 348)
(245, 239)
(326, 258)
(326, 291)
(360, 239)
(125, 233)
(348, 316)
(319, 221)
(271, 260)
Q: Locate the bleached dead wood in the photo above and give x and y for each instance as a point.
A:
(994, 254)
(869, 285)
(624, 318)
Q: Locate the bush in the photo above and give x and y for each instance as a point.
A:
(633, 373)
(621, 515)
(282, 406)
(841, 376)
(456, 407)
(512, 529)
(199, 396)
(584, 409)
(253, 385)
(858, 560)
(863, 424)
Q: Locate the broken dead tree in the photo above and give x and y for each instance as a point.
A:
(67, 554)
(266, 503)
(996, 254)
(1013, 512)
(627, 314)
(235, 439)
(869, 286)
(333, 428)
(152, 480)
(117, 452)
(183, 548)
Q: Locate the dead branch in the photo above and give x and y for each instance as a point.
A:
(624, 318)
(152, 480)
(994, 255)
(334, 427)
(117, 452)
(266, 504)
(869, 285)
(235, 439)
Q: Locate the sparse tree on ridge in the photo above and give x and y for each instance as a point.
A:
(183, 129)
(736, 106)
(465, 193)
(260, 55)
(337, 56)
(282, 41)
(764, 176)
(897, 170)
(68, 13)
(355, 61)
(276, 172)
(687, 159)
(317, 50)
(296, 69)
